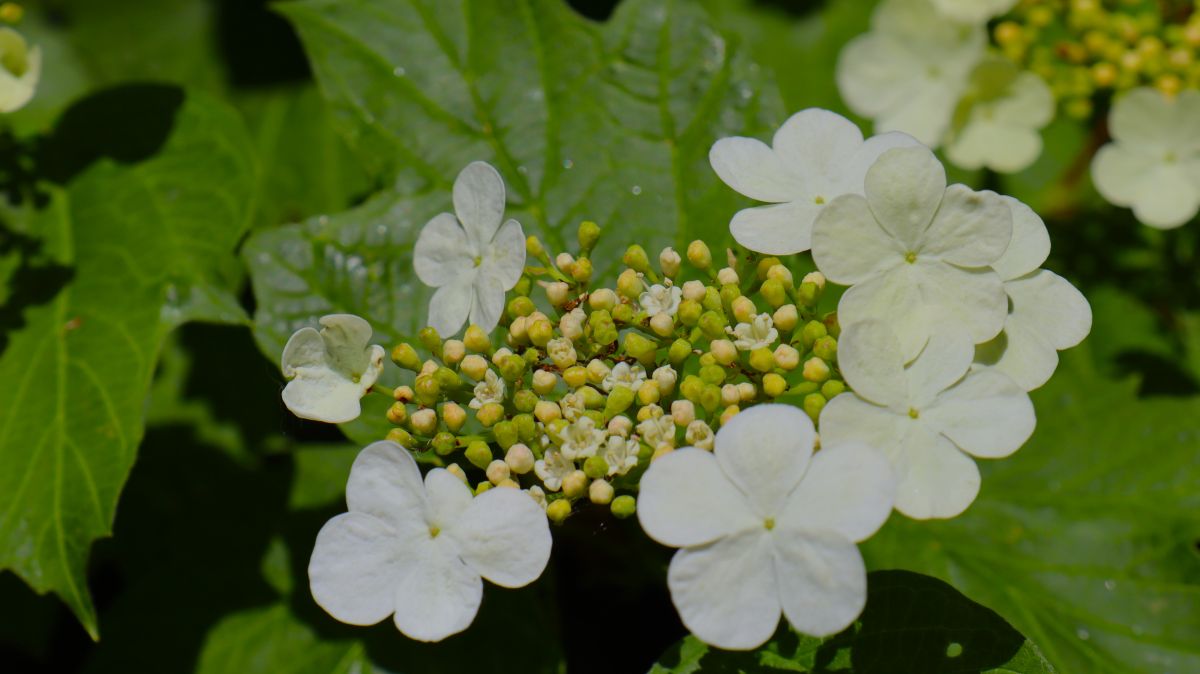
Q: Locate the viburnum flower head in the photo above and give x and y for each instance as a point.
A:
(1046, 313)
(1153, 163)
(20, 69)
(469, 256)
(930, 417)
(417, 550)
(973, 11)
(1005, 110)
(766, 527)
(331, 370)
(910, 70)
(815, 156)
(916, 252)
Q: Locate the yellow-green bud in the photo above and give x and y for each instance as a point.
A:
(453, 351)
(641, 348)
(723, 351)
(474, 366)
(728, 277)
(401, 437)
(526, 427)
(534, 247)
(730, 395)
(565, 262)
(691, 388)
(712, 325)
(619, 400)
(575, 484)
(592, 399)
(712, 299)
(406, 357)
(729, 294)
(804, 388)
(524, 400)
(782, 274)
(813, 330)
(600, 492)
(662, 324)
(813, 404)
(557, 292)
(597, 371)
(816, 370)
(699, 255)
(596, 416)
(477, 340)
(430, 339)
(428, 367)
(635, 258)
(479, 454)
(689, 312)
(547, 411)
(787, 357)
(648, 393)
(518, 331)
(423, 421)
(762, 359)
(444, 443)
(629, 284)
(589, 233)
(512, 367)
(519, 459)
(712, 374)
(623, 506)
(623, 313)
(832, 388)
(774, 385)
(683, 412)
(544, 382)
(669, 261)
(747, 392)
(710, 398)
(763, 267)
(497, 471)
(427, 389)
(729, 413)
(649, 412)
(506, 434)
(680, 351)
(397, 413)
(595, 467)
(581, 271)
(774, 293)
(816, 278)
(602, 299)
(454, 416)
(694, 290)
(575, 376)
(447, 379)
(558, 510)
(457, 471)
(808, 294)
(665, 377)
(786, 317)
(604, 331)
(489, 414)
(825, 348)
(404, 394)
(540, 332)
(520, 306)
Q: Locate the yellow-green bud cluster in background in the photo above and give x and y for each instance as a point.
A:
(1087, 47)
(583, 386)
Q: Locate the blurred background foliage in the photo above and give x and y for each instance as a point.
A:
(1088, 541)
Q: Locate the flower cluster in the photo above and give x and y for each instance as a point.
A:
(20, 64)
(691, 391)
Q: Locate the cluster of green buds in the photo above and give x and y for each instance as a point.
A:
(1085, 47)
(582, 387)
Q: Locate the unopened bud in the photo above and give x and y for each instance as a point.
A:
(454, 416)
(575, 376)
(787, 357)
(635, 258)
(786, 317)
(565, 262)
(778, 272)
(597, 371)
(623, 506)
(693, 290)
(575, 484)
(747, 392)
(402, 437)
(710, 398)
(497, 471)
(429, 338)
(727, 277)
(604, 331)
(404, 394)
(712, 325)
(730, 395)
(595, 467)
(474, 366)
(816, 370)
(477, 340)
(519, 459)
(825, 348)
(808, 293)
(699, 255)
(518, 331)
(816, 278)
(665, 378)
(559, 510)
(558, 293)
(482, 487)
(623, 313)
(680, 351)
(534, 247)
(479, 454)
(683, 412)
(489, 414)
(544, 382)
(629, 284)
(444, 443)
(712, 374)
(774, 385)
(424, 421)
(663, 449)
(506, 434)
(729, 413)
(813, 404)
(641, 348)
(547, 411)
(662, 324)
(453, 351)
(620, 425)
(813, 330)
(774, 293)
(669, 261)
(743, 309)
(457, 471)
(525, 400)
(589, 233)
(526, 427)
(762, 359)
(619, 400)
(397, 413)
(581, 271)
(647, 393)
(689, 312)
(832, 389)
(602, 299)
(600, 492)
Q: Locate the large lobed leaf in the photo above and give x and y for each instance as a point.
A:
(137, 248)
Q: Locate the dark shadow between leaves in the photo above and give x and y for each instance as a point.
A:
(35, 281)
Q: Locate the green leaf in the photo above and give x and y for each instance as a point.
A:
(1085, 539)
(271, 640)
(912, 624)
(131, 243)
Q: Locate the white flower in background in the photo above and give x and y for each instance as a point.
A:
(1153, 163)
(910, 70)
(20, 69)
(1046, 314)
(471, 259)
(623, 374)
(417, 552)
(581, 439)
(552, 469)
(815, 156)
(765, 527)
(620, 454)
(930, 418)
(657, 430)
(330, 370)
(916, 252)
(973, 11)
(660, 299)
(759, 333)
(1004, 112)
(490, 390)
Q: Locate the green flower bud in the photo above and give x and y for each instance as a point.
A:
(774, 293)
(447, 379)
(512, 367)
(534, 247)
(699, 255)
(596, 416)
(813, 330)
(816, 370)
(680, 351)
(635, 258)
(479, 454)
(641, 348)
(506, 434)
(689, 312)
(629, 284)
(424, 421)
(691, 388)
(619, 400)
(520, 306)
(731, 294)
(762, 359)
(397, 413)
(595, 467)
(592, 399)
(602, 299)
(482, 487)
(575, 376)
(532, 356)
(555, 428)
(712, 299)
(743, 309)
(540, 332)
(406, 357)
(402, 437)
(427, 389)
(832, 326)
(648, 393)
(547, 411)
(444, 443)
(710, 398)
(430, 339)
(454, 416)
(581, 271)
(723, 351)
(526, 427)
(489, 414)
(712, 325)
(623, 506)
(575, 484)
(832, 388)
(524, 400)
(600, 492)
(558, 510)
(712, 374)
(787, 357)
(477, 340)
(825, 348)
(774, 385)
(623, 313)
(813, 404)
(604, 332)
(589, 233)
(808, 294)
(786, 317)
(764, 265)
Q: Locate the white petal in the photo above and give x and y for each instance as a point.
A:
(854, 173)
(753, 169)
(1049, 304)
(322, 394)
(479, 202)
(1001, 147)
(815, 144)
(1021, 354)
(934, 479)
(1118, 171)
(385, 482)
(504, 259)
(848, 419)
(1166, 198)
(448, 497)
(765, 450)
(822, 580)
(904, 189)
(356, 562)
(1146, 117)
(15, 92)
(450, 305)
(437, 595)
(504, 536)
(871, 362)
(778, 229)
(443, 251)
(849, 489)
(1030, 245)
(684, 499)
(971, 229)
(304, 348)
(926, 112)
(972, 300)
(487, 304)
(895, 298)
(873, 73)
(986, 414)
(726, 592)
(346, 337)
(848, 245)
(944, 360)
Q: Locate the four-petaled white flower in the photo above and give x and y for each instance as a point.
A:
(20, 69)
(916, 252)
(417, 551)
(760, 332)
(764, 526)
(330, 370)
(1153, 163)
(910, 70)
(620, 454)
(1005, 111)
(581, 439)
(661, 299)
(624, 374)
(490, 389)
(471, 259)
(1046, 314)
(552, 468)
(815, 156)
(657, 430)
(973, 11)
(930, 418)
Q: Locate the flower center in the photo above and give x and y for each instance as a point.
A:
(769, 523)
(478, 260)
(819, 200)
(910, 257)
(434, 531)
(913, 413)
(1170, 158)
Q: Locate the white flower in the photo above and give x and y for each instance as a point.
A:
(553, 468)
(916, 252)
(1006, 110)
(623, 374)
(490, 390)
(620, 454)
(760, 332)
(330, 370)
(471, 259)
(699, 434)
(1046, 313)
(581, 439)
(815, 156)
(930, 418)
(1153, 163)
(572, 405)
(20, 69)
(973, 11)
(910, 70)
(660, 299)
(418, 551)
(764, 526)
(657, 430)
(561, 352)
